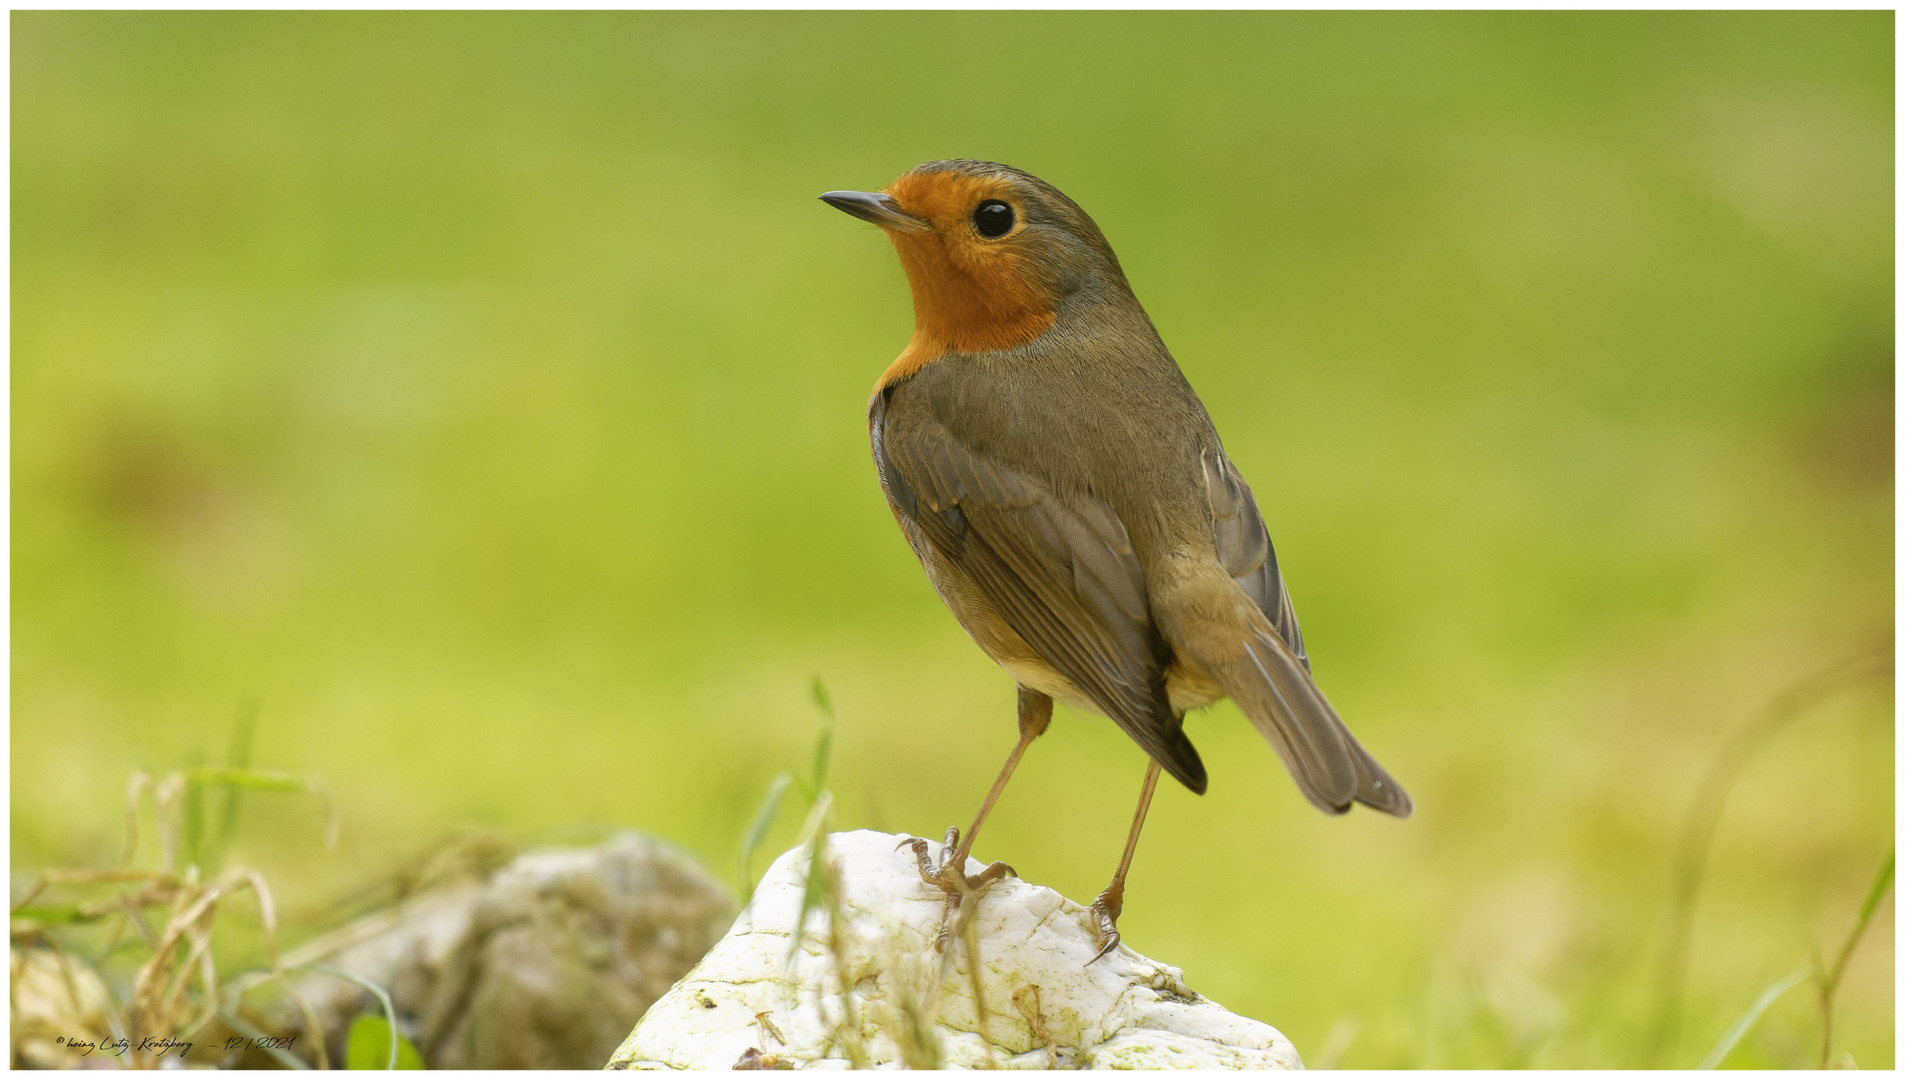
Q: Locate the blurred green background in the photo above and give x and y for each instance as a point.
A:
(481, 396)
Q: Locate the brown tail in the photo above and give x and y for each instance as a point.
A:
(1331, 768)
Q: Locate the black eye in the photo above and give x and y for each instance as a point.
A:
(993, 218)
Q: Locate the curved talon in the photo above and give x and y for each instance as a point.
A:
(1106, 910)
(990, 874)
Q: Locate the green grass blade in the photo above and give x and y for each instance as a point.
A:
(823, 747)
(59, 913)
(1829, 984)
(1879, 886)
(1746, 1021)
(756, 832)
(814, 832)
(235, 779)
(366, 1043)
(192, 826)
(255, 779)
(237, 758)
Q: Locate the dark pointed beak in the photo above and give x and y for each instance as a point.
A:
(876, 207)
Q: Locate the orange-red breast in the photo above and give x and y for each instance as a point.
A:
(1069, 499)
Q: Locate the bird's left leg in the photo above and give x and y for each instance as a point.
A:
(1035, 715)
(1110, 903)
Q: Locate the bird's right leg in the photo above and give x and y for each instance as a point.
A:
(1110, 903)
(1035, 715)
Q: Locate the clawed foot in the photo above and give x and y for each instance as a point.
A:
(950, 877)
(1106, 909)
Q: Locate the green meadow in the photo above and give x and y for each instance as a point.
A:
(478, 400)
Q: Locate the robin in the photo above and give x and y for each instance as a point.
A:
(1070, 501)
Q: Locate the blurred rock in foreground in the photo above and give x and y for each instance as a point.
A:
(879, 994)
(543, 965)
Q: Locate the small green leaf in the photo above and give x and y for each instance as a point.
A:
(368, 1046)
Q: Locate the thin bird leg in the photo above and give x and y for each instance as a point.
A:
(1110, 903)
(1035, 715)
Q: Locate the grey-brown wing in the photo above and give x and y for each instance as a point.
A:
(1278, 696)
(1244, 548)
(1059, 571)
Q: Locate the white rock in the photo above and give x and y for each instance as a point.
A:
(762, 994)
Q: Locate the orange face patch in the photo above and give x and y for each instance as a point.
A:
(970, 293)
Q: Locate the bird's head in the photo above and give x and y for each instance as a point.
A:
(994, 255)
